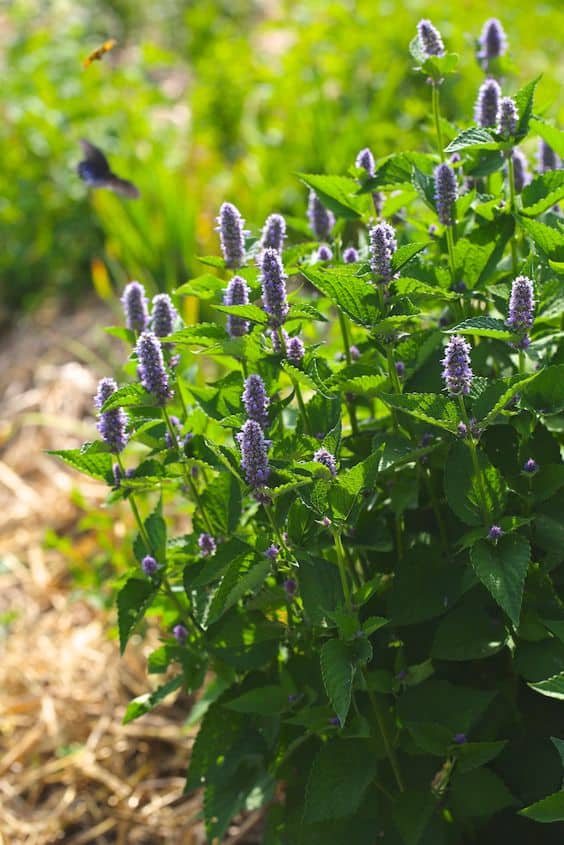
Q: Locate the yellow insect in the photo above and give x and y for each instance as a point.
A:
(97, 54)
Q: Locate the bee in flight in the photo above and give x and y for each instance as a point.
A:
(100, 51)
(95, 171)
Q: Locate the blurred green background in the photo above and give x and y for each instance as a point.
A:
(205, 101)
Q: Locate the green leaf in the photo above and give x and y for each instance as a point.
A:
(243, 575)
(129, 394)
(472, 755)
(202, 334)
(496, 396)
(549, 809)
(205, 286)
(320, 587)
(543, 192)
(428, 407)
(478, 793)
(405, 253)
(472, 139)
(149, 700)
(395, 171)
(339, 193)
(440, 702)
(93, 463)
(502, 569)
(221, 501)
(462, 488)
(548, 239)
(469, 632)
(246, 312)
(551, 687)
(266, 701)
(425, 187)
(553, 137)
(132, 601)
(354, 296)
(337, 671)
(415, 287)
(545, 393)
(483, 327)
(328, 795)
(437, 67)
(524, 99)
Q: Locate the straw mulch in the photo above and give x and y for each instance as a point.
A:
(69, 770)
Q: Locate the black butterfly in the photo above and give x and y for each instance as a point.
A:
(95, 171)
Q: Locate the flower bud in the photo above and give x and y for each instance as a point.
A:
(151, 370)
(255, 400)
(134, 304)
(457, 372)
(236, 293)
(231, 235)
(383, 244)
(164, 315)
(445, 193)
(273, 233)
(321, 220)
(112, 424)
(487, 104)
(207, 545)
(323, 456)
(254, 459)
(507, 117)
(273, 281)
(350, 255)
(430, 39)
(295, 350)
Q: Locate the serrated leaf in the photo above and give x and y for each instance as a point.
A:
(132, 601)
(221, 501)
(462, 488)
(429, 407)
(545, 393)
(129, 394)
(202, 334)
(205, 286)
(524, 99)
(245, 312)
(472, 755)
(326, 796)
(95, 464)
(502, 569)
(479, 793)
(266, 701)
(553, 137)
(468, 632)
(472, 139)
(405, 253)
(337, 671)
(298, 376)
(552, 687)
(415, 287)
(483, 327)
(550, 240)
(354, 296)
(395, 171)
(149, 700)
(549, 809)
(338, 193)
(546, 190)
(443, 703)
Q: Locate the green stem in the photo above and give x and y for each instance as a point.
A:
(347, 346)
(302, 406)
(187, 477)
(436, 510)
(512, 208)
(274, 527)
(475, 462)
(180, 395)
(451, 258)
(521, 363)
(394, 378)
(390, 752)
(131, 498)
(437, 119)
(341, 561)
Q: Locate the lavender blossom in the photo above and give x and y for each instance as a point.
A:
(430, 39)
(400, 368)
(273, 281)
(521, 173)
(324, 253)
(272, 552)
(445, 193)
(350, 255)
(111, 424)
(151, 370)
(277, 346)
(164, 315)
(236, 293)
(547, 158)
(354, 353)
(495, 533)
(254, 459)
(365, 161)
(134, 304)
(273, 233)
(530, 466)
(383, 244)
(295, 350)
(149, 565)
(457, 372)
(460, 739)
(507, 117)
(207, 545)
(321, 220)
(231, 235)
(255, 400)
(521, 306)
(487, 104)
(323, 456)
(290, 586)
(180, 633)
(493, 41)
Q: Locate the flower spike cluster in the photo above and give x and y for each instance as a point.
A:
(457, 373)
(507, 117)
(295, 350)
(493, 42)
(521, 309)
(231, 235)
(487, 104)
(255, 400)
(430, 39)
(134, 304)
(236, 293)
(151, 370)
(365, 160)
(520, 170)
(445, 193)
(273, 281)
(383, 244)
(547, 158)
(350, 255)
(112, 424)
(164, 315)
(273, 233)
(324, 456)
(254, 458)
(321, 220)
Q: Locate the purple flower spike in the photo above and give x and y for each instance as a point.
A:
(457, 373)
(295, 350)
(207, 545)
(323, 456)
(290, 586)
(445, 193)
(236, 293)
(111, 424)
(383, 244)
(495, 533)
(273, 233)
(273, 281)
(151, 370)
(149, 565)
(354, 353)
(400, 368)
(277, 346)
(255, 400)
(487, 104)
(350, 255)
(430, 39)
(521, 305)
(254, 459)
(272, 552)
(324, 253)
(547, 158)
(460, 739)
(493, 41)
(180, 634)
(365, 160)
(530, 466)
(321, 220)
(134, 304)
(507, 117)
(520, 170)
(231, 235)
(164, 315)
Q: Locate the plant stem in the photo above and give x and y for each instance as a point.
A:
(187, 477)
(521, 363)
(451, 258)
(437, 119)
(436, 510)
(512, 208)
(274, 527)
(341, 561)
(347, 343)
(302, 406)
(390, 752)
(475, 462)
(131, 498)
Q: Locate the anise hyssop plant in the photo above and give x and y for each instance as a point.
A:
(368, 601)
